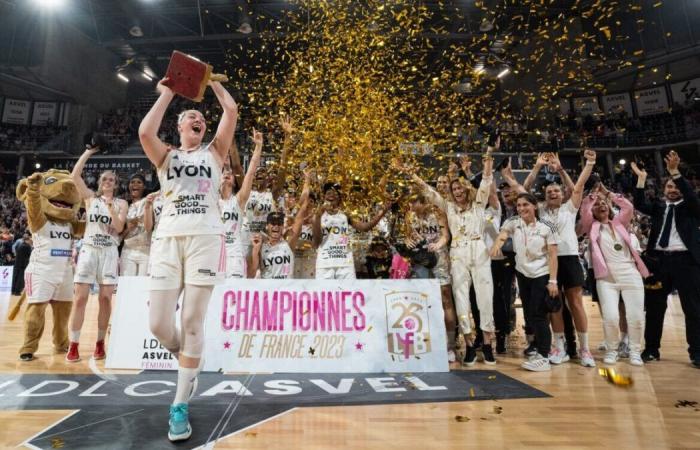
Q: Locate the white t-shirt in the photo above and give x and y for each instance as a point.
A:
(276, 261)
(189, 183)
(335, 250)
(564, 220)
(530, 244)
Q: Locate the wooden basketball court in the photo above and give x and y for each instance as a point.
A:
(583, 410)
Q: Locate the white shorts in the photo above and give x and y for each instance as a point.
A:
(335, 273)
(133, 262)
(236, 266)
(40, 290)
(198, 260)
(97, 265)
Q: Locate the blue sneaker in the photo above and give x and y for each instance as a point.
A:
(180, 428)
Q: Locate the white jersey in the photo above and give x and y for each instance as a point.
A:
(138, 238)
(99, 231)
(305, 245)
(53, 249)
(564, 220)
(189, 183)
(276, 261)
(232, 216)
(335, 250)
(258, 206)
(157, 210)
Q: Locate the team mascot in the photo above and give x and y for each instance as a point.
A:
(52, 203)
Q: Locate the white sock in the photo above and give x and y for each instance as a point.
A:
(583, 340)
(101, 335)
(559, 341)
(185, 378)
(74, 336)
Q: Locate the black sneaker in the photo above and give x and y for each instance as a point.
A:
(531, 349)
(501, 344)
(470, 356)
(651, 355)
(488, 354)
(695, 362)
(26, 356)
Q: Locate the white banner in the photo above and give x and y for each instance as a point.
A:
(296, 326)
(564, 106)
(586, 106)
(651, 101)
(16, 111)
(616, 103)
(44, 113)
(686, 91)
(6, 278)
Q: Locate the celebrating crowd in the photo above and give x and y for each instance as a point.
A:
(211, 221)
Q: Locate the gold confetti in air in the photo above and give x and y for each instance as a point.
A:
(373, 81)
(613, 377)
(369, 328)
(57, 443)
(492, 377)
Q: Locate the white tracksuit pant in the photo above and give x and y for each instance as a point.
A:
(471, 264)
(632, 289)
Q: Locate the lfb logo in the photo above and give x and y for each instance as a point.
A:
(5, 273)
(408, 324)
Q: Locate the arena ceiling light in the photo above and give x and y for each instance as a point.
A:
(123, 77)
(50, 4)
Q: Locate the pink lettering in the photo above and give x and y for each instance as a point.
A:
(346, 309)
(358, 302)
(226, 319)
(270, 312)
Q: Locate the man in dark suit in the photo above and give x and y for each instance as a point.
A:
(674, 253)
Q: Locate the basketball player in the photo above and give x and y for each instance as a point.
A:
(188, 248)
(137, 232)
(98, 260)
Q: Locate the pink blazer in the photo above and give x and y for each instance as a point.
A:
(620, 222)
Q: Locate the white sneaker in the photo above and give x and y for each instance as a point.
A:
(623, 350)
(611, 357)
(586, 358)
(636, 359)
(558, 356)
(537, 363)
(451, 357)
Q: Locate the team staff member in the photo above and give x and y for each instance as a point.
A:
(231, 212)
(535, 245)
(674, 242)
(98, 260)
(137, 232)
(188, 248)
(469, 257)
(618, 269)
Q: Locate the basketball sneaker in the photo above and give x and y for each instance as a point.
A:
(611, 357)
(537, 363)
(558, 356)
(179, 423)
(73, 355)
(99, 352)
(587, 358)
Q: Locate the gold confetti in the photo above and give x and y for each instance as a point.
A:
(462, 419)
(613, 377)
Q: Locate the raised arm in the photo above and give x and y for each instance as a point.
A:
(361, 226)
(84, 191)
(317, 236)
(640, 200)
(431, 194)
(508, 177)
(247, 185)
(278, 185)
(154, 148)
(577, 191)
(586, 221)
(236, 167)
(689, 195)
(626, 213)
(542, 160)
(227, 124)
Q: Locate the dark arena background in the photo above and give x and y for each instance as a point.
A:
(313, 224)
